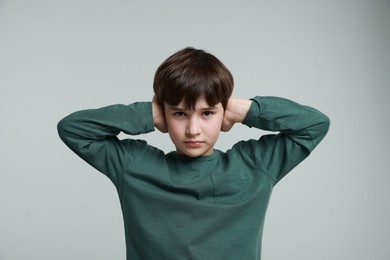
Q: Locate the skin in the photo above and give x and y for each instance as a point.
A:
(195, 132)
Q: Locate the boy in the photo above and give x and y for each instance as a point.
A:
(196, 202)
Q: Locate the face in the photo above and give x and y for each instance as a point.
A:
(194, 132)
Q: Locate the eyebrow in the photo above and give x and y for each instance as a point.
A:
(203, 108)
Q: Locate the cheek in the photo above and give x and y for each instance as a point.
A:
(214, 127)
(174, 129)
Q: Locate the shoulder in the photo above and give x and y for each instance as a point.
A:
(254, 152)
(140, 149)
(244, 151)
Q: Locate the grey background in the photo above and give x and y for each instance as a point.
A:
(60, 56)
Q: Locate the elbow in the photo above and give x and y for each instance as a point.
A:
(61, 128)
(320, 130)
(325, 124)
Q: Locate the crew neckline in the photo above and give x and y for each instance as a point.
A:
(187, 158)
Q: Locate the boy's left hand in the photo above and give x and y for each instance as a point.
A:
(235, 112)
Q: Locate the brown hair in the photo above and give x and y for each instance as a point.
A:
(189, 74)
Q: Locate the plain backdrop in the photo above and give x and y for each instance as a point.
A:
(57, 57)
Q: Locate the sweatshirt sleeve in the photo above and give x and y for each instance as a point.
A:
(300, 129)
(92, 134)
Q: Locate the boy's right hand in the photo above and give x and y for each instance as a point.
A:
(158, 116)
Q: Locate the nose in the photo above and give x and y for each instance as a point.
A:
(192, 128)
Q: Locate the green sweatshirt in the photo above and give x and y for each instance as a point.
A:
(178, 207)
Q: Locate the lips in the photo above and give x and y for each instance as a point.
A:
(194, 143)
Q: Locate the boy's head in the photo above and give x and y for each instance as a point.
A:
(191, 74)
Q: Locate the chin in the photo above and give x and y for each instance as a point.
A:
(194, 155)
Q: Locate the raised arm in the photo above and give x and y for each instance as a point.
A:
(300, 129)
(92, 134)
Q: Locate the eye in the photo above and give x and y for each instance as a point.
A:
(208, 113)
(179, 114)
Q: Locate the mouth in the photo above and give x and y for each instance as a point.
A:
(194, 143)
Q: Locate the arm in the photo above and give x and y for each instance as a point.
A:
(300, 128)
(305, 125)
(92, 134)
